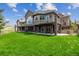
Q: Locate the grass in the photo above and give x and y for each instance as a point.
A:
(29, 44)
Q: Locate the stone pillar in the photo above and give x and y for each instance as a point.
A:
(21, 29)
(55, 25)
(15, 28)
(41, 28)
(51, 28)
(26, 28)
(44, 29)
(33, 28)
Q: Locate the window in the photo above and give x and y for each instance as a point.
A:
(50, 16)
(35, 18)
(46, 18)
(42, 17)
(29, 20)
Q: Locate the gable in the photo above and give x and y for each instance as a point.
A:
(29, 13)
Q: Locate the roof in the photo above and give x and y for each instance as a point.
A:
(29, 11)
(21, 20)
(45, 12)
(60, 15)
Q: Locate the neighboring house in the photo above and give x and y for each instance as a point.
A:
(45, 22)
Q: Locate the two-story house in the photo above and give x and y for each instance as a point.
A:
(47, 22)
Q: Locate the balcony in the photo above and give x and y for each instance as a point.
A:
(21, 25)
(42, 22)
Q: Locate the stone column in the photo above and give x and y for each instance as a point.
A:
(51, 28)
(44, 27)
(55, 25)
(33, 28)
(21, 29)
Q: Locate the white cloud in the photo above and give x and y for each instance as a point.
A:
(46, 6)
(39, 6)
(69, 7)
(68, 13)
(75, 5)
(50, 6)
(25, 10)
(63, 13)
(12, 5)
(15, 10)
(19, 15)
(7, 19)
(31, 4)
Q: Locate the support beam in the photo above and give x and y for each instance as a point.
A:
(51, 28)
(55, 25)
(33, 28)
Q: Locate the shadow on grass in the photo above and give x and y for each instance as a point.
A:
(30, 33)
(78, 35)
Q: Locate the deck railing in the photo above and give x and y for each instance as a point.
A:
(41, 22)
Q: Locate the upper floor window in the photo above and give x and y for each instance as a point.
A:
(64, 23)
(35, 18)
(50, 16)
(47, 17)
(42, 17)
(29, 20)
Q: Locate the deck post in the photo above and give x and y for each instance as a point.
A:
(55, 26)
(51, 28)
(33, 28)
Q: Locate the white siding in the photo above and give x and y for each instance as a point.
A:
(53, 17)
(58, 20)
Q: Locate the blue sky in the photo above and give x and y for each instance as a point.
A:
(14, 11)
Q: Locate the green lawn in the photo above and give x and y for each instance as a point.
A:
(29, 44)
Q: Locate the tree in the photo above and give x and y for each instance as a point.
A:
(74, 27)
(1, 21)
